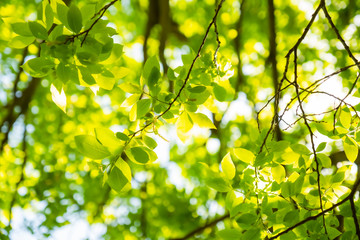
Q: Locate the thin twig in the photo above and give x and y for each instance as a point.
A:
(101, 13)
(186, 78)
(350, 196)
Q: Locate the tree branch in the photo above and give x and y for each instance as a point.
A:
(186, 78)
(101, 13)
(202, 228)
(273, 61)
(350, 196)
(238, 48)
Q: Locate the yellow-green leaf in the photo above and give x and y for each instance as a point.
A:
(345, 118)
(228, 166)
(244, 155)
(350, 149)
(59, 98)
(202, 120)
(325, 160)
(109, 140)
(90, 147)
(119, 178)
(184, 123)
(130, 100)
(278, 173)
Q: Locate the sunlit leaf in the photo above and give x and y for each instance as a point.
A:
(120, 176)
(107, 138)
(59, 98)
(244, 155)
(350, 149)
(345, 118)
(228, 166)
(201, 120)
(90, 147)
(130, 88)
(278, 173)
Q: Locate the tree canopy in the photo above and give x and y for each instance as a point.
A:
(175, 119)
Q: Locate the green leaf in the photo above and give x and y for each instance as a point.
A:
(197, 89)
(244, 155)
(19, 42)
(345, 118)
(22, 28)
(74, 18)
(350, 149)
(338, 177)
(154, 77)
(325, 128)
(86, 77)
(247, 219)
(228, 166)
(253, 233)
(107, 138)
(90, 147)
(230, 234)
(120, 176)
(201, 120)
(199, 98)
(301, 149)
(325, 160)
(130, 100)
(49, 16)
(140, 155)
(122, 136)
(217, 182)
(219, 92)
(130, 87)
(143, 107)
(333, 232)
(321, 147)
(279, 146)
(62, 13)
(63, 72)
(291, 218)
(151, 62)
(278, 173)
(39, 67)
(150, 142)
(38, 30)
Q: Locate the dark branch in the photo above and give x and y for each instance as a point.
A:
(350, 196)
(202, 228)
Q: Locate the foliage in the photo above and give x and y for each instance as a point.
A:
(209, 134)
